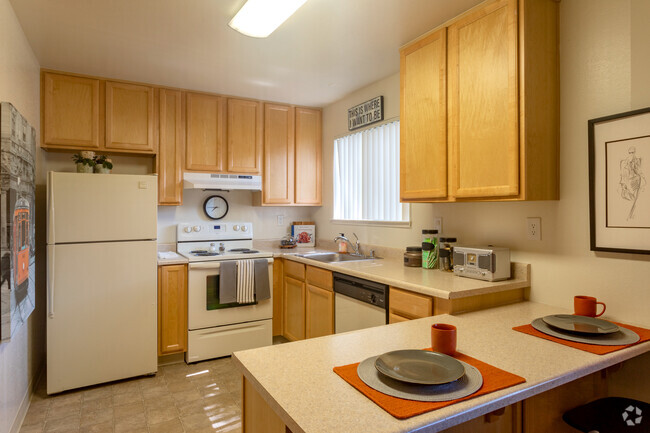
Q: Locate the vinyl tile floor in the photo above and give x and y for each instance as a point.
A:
(202, 397)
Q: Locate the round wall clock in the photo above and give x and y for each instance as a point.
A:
(215, 207)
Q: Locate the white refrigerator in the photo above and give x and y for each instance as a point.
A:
(101, 278)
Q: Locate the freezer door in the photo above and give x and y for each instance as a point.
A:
(101, 318)
(100, 207)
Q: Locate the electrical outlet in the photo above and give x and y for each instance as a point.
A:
(534, 229)
(280, 220)
(437, 224)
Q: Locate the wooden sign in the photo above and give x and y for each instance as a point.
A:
(366, 114)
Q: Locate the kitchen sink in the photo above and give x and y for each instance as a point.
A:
(334, 257)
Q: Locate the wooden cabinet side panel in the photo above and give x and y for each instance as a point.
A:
(539, 100)
(409, 304)
(279, 144)
(172, 146)
(130, 117)
(505, 420)
(70, 112)
(483, 102)
(294, 309)
(543, 413)
(257, 415)
(205, 132)
(172, 309)
(244, 136)
(423, 116)
(278, 298)
(319, 312)
(308, 157)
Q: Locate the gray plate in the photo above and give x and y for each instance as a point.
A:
(419, 366)
(468, 384)
(580, 324)
(621, 337)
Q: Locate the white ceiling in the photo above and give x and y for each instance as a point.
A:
(327, 49)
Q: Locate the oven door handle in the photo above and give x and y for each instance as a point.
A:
(213, 264)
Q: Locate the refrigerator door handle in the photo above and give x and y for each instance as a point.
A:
(50, 281)
(50, 206)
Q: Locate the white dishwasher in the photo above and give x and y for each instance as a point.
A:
(358, 303)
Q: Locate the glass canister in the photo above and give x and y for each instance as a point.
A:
(413, 256)
(429, 249)
(448, 244)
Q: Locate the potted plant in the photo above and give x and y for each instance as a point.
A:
(85, 161)
(103, 164)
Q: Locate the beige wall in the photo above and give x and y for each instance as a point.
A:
(605, 63)
(20, 357)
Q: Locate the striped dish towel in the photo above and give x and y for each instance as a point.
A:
(245, 282)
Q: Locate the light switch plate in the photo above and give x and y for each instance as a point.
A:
(534, 229)
(280, 220)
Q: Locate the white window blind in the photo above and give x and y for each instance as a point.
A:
(366, 176)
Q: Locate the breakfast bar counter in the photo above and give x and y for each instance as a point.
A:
(298, 385)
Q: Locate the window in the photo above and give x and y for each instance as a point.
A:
(366, 176)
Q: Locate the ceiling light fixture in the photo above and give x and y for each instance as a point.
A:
(259, 18)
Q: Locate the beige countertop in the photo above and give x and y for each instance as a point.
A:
(297, 381)
(430, 282)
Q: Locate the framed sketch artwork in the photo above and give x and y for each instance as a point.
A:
(619, 171)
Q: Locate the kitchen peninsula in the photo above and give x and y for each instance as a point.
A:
(293, 385)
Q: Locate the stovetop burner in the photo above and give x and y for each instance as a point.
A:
(243, 251)
(203, 253)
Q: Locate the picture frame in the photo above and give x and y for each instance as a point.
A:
(619, 188)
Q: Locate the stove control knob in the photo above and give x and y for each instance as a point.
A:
(187, 229)
(197, 228)
(235, 228)
(244, 228)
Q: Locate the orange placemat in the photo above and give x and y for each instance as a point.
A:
(494, 379)
(593, 348)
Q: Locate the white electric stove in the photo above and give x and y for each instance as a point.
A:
(216, 329)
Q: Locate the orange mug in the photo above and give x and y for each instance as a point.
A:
(586, 306)
(443, 338)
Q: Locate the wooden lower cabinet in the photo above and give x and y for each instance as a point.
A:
(405, 305)
(172, 309)
(308, 301)
(294, 309)
(319, 312)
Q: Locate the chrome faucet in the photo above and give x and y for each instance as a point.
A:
(356, 246)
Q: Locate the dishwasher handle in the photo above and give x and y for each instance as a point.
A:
(368, 293)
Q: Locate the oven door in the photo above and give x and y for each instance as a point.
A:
(204, 310)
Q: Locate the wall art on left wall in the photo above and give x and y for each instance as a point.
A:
(17, 247)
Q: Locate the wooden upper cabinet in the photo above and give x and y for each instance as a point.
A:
(206, 132)
(279, 144)
(423, 129)
(130, 118)
(71, 114)
(170, 152)
(502, 106)
(483, 102)
(308, 170)
(244, 136)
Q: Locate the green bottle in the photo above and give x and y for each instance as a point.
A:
(429, 249)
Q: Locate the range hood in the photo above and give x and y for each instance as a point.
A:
(222, 181)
